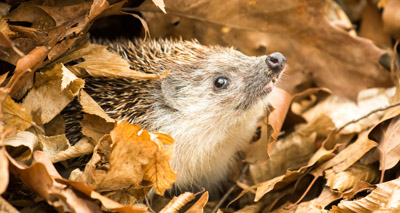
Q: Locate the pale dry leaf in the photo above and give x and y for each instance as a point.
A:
(16, 116)
(259, 151)
(318, 204)
(338, 17)
(267, 186)
(22, 145)
(3, 77)
(100, 62)
(4, 173)
(46, 100)
(4, 28)
(198, 207)
(53, 145)
(67, 77)
(160, 4)
(91, 107)
(386, 197)
(339, 182)
(178, 202)
(123, 197)
(6, 206)
(4, 8)
(342, 110)
(82, 147)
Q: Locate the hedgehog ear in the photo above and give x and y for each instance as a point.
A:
(169, 92)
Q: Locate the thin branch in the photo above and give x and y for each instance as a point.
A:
(219, 204)
(188, 17)
(304, 194)
(367, 115)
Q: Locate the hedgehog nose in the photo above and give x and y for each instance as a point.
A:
(276, 62)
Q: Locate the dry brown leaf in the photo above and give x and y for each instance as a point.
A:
(290, 152)
(318, 204)
(4, 173)
(107, 203)
(22, 145)
(40, 178)
(251, 208)
(95, 127)
(178, 202)
(386, 197)
(52, 145)
(16, 116)
(47, 99)
(321, 127)
(339, 182)
(280, 100)
(199, 205)
(25, 66)
(55, 126)
(371, 27)
(389, 146)
(82, 147)
(358, 187)
(5, 29)
(100, 62)
(348, 156)
(299, 29)
(62, 14)
(391, 19)
(28, 12)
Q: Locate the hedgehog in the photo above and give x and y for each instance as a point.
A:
(210, 102)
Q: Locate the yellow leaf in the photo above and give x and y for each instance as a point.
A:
(16, 116)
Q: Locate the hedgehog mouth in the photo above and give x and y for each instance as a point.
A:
(256, 96)
(269, 86)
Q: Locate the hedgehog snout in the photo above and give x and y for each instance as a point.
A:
(276, 62)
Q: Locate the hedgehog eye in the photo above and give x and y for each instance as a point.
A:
(221, 83)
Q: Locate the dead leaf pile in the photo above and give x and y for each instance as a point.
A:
(329, 141)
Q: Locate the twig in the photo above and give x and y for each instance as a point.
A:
(148, 205)
(219, 204)
(125, 9)
(367, 115)
(304, 194)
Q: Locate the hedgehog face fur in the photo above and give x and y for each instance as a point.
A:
(209, 103)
